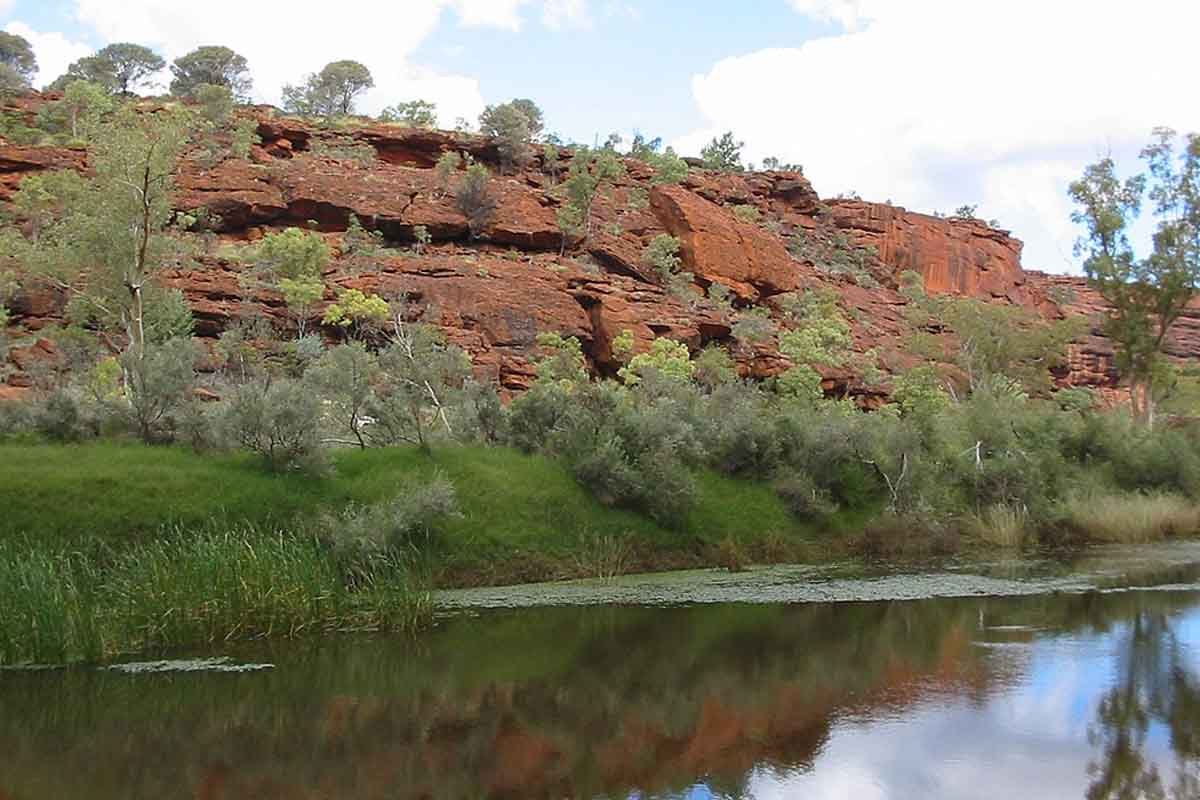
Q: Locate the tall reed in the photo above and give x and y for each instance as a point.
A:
(185, 589)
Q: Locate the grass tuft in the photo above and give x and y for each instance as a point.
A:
(1131, 517)
(1001, 525)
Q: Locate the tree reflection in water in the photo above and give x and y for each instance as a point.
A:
(1156, 683)
(693, 702)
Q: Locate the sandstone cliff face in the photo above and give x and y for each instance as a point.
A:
(493, 295)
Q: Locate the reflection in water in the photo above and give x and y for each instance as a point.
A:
(1092, 695)
(1155, 682)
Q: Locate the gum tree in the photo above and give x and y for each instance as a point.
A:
(1147, 295)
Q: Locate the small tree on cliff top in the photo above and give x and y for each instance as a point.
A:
(120, 67)
(1147, 295)
(211, 66)
(330, 92)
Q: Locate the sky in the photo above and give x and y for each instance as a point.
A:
(929, 104)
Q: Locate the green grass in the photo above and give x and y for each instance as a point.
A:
(524, 516)
(185, 589)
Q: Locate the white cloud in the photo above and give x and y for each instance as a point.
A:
(54, 51)
(936, 103)
(559, 14)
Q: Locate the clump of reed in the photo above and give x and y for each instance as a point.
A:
(1131, 517)
(1000, 525)
(186, 589)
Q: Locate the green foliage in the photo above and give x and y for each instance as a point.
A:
(330, 92)
(1147, 295)
(474, 199)
(279, 420)
(344, 148)
(17, 60)
(243, 136)
(413, 114)
(513, 124)
(723, 153)
(713, 367)
(448, 163)
(589, 173)
(420, 387)
(993, 339)
(830, 250)
(358, 313)
(211, 65)
(662, 255)
(301, 294)
(119, 67)
(565, 365)
(748, 214)
(773, 164)
(667, 357)
(358, 242)
(111, 235)
(158, 382)
(344, 377)
(919, 393)
(294, 253)
(216, 102)
(421, 238)
(362, 536)
(79, 113)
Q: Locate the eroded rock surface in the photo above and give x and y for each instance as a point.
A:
(493, 295)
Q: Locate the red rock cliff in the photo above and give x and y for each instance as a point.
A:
(492, 296)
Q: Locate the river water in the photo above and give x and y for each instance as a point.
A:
(1088, 693)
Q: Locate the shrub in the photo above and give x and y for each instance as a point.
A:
(279, 420)
(535, 416)
(364, 536)
(157, 384)
(474, 199)
(58, 417)
(805, 499)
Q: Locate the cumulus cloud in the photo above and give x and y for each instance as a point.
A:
(937, 103)
(54, 51)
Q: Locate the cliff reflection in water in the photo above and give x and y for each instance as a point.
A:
(1087, 695)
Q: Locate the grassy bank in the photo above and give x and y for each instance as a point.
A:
(112, 547)
(523, 516)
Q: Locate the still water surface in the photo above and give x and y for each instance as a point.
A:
(1092, 695)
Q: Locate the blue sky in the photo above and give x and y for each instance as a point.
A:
(927, 103)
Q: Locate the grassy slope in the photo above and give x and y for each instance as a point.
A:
(524, 516)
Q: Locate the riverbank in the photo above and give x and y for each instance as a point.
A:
(109, 548)
(523, 517)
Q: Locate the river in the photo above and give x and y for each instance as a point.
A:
(1092, 691)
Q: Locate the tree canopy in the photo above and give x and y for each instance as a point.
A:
(1148, 294)
(211, 65)
(119, 67)
(18, 64)
(330, 92)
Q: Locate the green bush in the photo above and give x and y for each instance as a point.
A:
(280, 421)
(364, 537)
